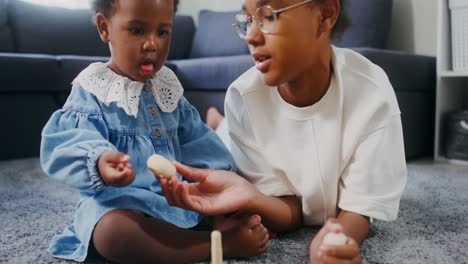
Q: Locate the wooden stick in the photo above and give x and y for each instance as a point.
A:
(216, 248)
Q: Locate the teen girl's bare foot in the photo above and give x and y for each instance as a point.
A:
(213, 118)
(247, 238)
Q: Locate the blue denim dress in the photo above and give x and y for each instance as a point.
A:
(141, 124)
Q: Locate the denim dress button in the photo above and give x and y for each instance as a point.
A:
(158, 133)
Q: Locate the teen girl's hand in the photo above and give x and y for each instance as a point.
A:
(214, 192)
(115, 169)
(328, 254)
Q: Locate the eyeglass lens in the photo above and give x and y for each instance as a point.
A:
(265, 18)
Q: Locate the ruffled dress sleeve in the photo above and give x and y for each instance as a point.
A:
(73, 140)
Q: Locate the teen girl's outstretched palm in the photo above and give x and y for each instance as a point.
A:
(214, 192)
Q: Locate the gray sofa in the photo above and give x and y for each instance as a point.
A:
(43, 48)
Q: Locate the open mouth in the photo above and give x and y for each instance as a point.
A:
(262, 61)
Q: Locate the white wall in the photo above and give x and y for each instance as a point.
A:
(414, 26)
(191, 7)
(413, 29)
(72, 4)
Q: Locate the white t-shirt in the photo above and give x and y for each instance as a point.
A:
(346, 151)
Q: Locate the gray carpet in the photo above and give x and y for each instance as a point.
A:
(432, 227)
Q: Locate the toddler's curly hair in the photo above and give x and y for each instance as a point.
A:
(105, 6)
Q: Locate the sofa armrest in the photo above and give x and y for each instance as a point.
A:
(406, 71)
(413, 77)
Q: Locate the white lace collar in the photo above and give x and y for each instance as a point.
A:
(110, 87)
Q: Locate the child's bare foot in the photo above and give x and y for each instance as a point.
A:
(223, 223)
(213, 118)
(248, 238)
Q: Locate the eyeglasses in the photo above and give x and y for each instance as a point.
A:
(265, 18)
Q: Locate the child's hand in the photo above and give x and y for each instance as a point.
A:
(115, 169)
(321, 253)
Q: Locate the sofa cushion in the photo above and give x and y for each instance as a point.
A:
(6, 39)
(182, 36)
(370, 24)
(72, 65)
(3, 12)
(215, 36)
(54, 30)
(215, 73)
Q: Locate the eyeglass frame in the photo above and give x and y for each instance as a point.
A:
(250, 19)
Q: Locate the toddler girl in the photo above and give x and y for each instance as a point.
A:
(117, 115)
